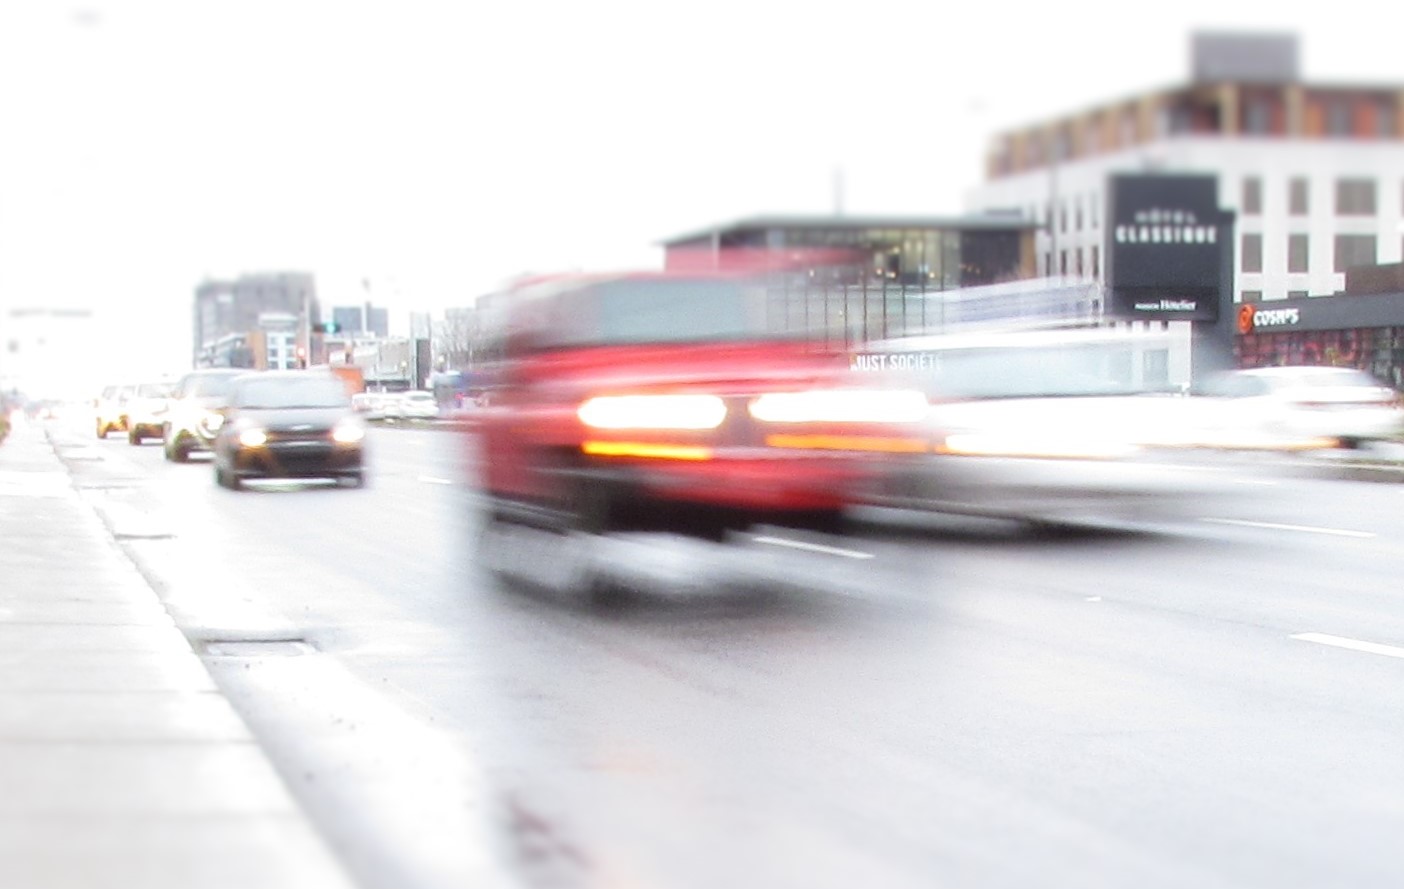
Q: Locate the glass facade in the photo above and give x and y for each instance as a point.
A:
(1376, 350)
(869, 283)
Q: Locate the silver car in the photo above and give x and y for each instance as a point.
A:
(196, 411)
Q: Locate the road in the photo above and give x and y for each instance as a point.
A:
(1219, 704)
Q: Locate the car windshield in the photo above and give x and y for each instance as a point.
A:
(155, 390)
(652, 310)
(291, 392)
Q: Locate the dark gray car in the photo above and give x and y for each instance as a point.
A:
(289, 424)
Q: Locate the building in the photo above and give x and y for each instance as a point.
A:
(362, 321)
(1362, 327)
(1314, 172)
(227, 310)
(851, 279)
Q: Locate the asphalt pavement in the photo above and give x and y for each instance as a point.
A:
(121, 764)
(1216, 705)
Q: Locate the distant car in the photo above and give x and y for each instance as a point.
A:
(289, 424)
(110, 409)
(146, 410)
(196, 411)
(417, 405)
(1303, 405)
(370, 405)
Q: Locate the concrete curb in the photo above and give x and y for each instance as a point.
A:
(118, 754)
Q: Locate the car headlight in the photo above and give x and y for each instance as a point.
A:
(253, 437)
(653, 412)
(841, 406)
(348, 433)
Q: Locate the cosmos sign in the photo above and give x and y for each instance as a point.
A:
(1252, 319)
(1167, 244)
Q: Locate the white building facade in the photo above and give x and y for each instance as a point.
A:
(1306, 209)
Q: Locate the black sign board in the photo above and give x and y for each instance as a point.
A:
(1167, 243)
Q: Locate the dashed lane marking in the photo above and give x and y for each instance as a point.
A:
(1307, 529)
(814, 547)
(1351, 644)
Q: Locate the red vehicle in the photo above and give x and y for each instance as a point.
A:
(674, 402)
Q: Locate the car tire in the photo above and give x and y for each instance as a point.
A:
(134, 436)
(227, 479)
(177, 451)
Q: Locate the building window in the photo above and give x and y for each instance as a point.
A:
(1093, 217)
(1252, 195)
(1386, 120)
(1355, 197)
(1297, 294)
(1250, 296)
(1063, 215)
(1063, 263)
(1096, 261)
(1252, 250)
(1354, 250)
(1338, 118)
(1298, 196)
(1298, 254)
(1079, 263)
(1048, 265)
(1077, 214)
(1257, 118)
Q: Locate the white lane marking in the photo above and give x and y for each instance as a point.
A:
(1093, 599)
(814, 547)
(1352, 644)
(1267, 483)
(434, 480)
(1274, 526)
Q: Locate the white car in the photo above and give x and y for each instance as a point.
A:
(146, 410)
(1302, 406)
(417, 405)
(371, 405)
(1050, 428)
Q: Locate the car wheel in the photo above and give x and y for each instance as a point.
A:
(227, 479)
(134, 435)
(179, 451)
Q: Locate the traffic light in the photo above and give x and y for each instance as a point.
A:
(326, 327)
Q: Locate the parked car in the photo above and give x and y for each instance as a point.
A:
(371, 405)
(1054, 428)
(289, 424)
(146, 410)
(1302, 406)
(677, 403)
(416, 405)
(196, 411)
(110, 409)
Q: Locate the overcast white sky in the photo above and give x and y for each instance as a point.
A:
(438, 148)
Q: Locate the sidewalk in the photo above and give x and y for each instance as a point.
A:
(121, 765)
